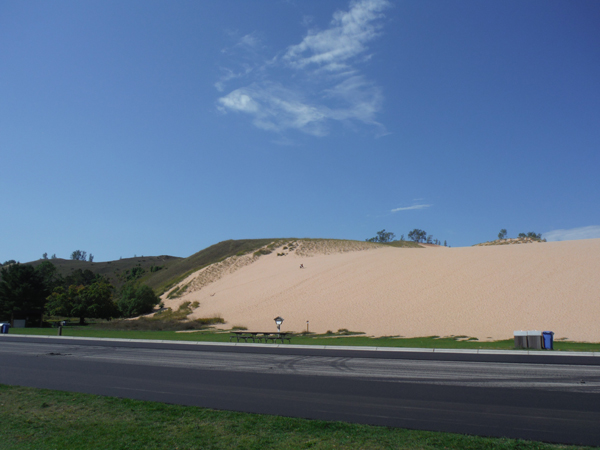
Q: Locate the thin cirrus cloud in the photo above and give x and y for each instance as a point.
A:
(308, 85)
(589, 232)
(408, 208)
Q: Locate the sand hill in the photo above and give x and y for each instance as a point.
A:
(485, 292)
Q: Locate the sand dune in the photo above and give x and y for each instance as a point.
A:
(484, 292)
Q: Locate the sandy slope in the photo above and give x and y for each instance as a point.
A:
(485, 292)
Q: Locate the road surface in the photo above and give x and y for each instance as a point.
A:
(547, 398)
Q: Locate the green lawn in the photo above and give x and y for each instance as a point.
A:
(39, 419)
(335, 339)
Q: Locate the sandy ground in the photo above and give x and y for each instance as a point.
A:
(484, 292)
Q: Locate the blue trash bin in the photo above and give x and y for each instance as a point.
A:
(548, 337)
(4, 327)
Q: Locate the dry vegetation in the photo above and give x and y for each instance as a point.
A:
(511, 241)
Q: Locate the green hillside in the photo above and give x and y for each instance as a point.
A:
(117, 271)
(161, 281)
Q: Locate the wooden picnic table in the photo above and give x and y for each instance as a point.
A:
(260, 335)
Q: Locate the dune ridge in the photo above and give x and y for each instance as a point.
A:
(484, 292)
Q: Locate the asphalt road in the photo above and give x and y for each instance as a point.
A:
(546, 398)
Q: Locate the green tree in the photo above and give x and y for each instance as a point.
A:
(22, 288)
(134, 273)
(79, 255)
(49, 275)
(81, 277)
(531, 235)
(137, 300)
(382, 236)
(502, 234)
(417, 235)
(93, 301)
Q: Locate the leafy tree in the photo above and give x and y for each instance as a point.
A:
(22, 288)
(502, 234)
(53, 256)
(45, 256)
(417, 235)
(91, 258)
(382, 236)
(79, 255)
(50, 276)
(93, 301)
(10, 261)
(429, 239)
(137, 300)
(134, 273)
(81, 277)
(445, 244)
(531, 235)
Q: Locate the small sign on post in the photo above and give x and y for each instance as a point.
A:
(278, 321)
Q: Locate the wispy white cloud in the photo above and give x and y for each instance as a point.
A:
(408, 208)
(314, 82)
(345, 39)
(229, 75)
(275, 108)
(590, 232)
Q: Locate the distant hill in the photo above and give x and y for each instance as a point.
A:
(116, 271)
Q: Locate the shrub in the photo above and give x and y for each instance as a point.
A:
(160, 324)
(135, 301)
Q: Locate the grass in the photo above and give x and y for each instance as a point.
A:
(43, 419)
(342, 337)
(406, 244)
(176, 293)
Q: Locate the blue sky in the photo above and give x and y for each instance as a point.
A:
(155, 127)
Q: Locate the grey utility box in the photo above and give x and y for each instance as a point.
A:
(534, 340)
(520, 339)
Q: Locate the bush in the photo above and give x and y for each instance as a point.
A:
(136, 301)
(158, 324)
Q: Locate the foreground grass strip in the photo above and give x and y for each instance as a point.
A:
(212, 336)
(43, 419)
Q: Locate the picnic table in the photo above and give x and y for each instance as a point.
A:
(260, 335)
